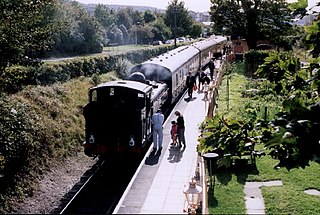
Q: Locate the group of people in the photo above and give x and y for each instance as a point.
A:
(203, 80)
(177, 131)
(178, 128)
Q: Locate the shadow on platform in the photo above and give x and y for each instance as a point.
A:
(190, 99)
(153, 158)
(175, 154)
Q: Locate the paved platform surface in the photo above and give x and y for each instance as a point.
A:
(157, 187)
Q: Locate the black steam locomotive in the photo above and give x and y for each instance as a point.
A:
(118, 114)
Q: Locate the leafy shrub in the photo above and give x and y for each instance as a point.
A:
(227, 137)
(12, 79)
(253, 59)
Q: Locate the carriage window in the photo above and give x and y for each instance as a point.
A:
(111, 91)
(94, 97)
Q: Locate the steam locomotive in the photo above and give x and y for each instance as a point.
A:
(118, 113)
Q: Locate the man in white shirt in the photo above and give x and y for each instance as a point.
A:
(157, 122)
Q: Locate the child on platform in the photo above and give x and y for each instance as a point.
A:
(174, 133)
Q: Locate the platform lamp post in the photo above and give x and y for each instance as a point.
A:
(211, 159)
(193, 193)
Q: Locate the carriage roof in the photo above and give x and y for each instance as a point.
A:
(134, 85)
(172, 60)
(205, 44)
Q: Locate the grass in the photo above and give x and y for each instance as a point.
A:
(229, 197)
(126, 48)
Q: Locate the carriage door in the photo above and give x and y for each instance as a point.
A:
(148, 115)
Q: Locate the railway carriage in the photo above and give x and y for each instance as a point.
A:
(118, 113)
(173, 66)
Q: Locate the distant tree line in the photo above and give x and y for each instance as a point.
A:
(34, 29)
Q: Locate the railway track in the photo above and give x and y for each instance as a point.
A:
(100, 188)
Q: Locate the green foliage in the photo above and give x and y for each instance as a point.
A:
(299, 7)
(253, 59)
(160, 30)
(178, 19)
(78, 33)
(252, 20)
(226, 137)
(26, 28)
(313, 38)
(104, 15)
(196, 30)
(12, 79)
(278, 69)
(288, 97)
(296, 138)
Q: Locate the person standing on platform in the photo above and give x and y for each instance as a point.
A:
(190, 83)
(157, 122)
(180, 129)
(211, 68)
(202, 75)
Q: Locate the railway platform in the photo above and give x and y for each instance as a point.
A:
(157, 186)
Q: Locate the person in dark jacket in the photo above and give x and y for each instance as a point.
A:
(190, 83)
(211, 68)
(201, 74)
(180, 129)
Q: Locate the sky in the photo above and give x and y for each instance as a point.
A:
(194, 5)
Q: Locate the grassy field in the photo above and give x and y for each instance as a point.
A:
(228, 197)
(126, 48)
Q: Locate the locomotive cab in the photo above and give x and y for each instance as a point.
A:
(116, 117)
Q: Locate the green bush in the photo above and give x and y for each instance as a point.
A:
(253, 59)
(12, 79)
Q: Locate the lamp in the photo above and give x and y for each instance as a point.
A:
(192, 194)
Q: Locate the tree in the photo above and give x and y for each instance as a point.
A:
(252, 19)
(149, 16)
(26, 28)
(78, 32)
(160, 30)
(105, 16)
(128, 17)
(178, 19)
(196, 29)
